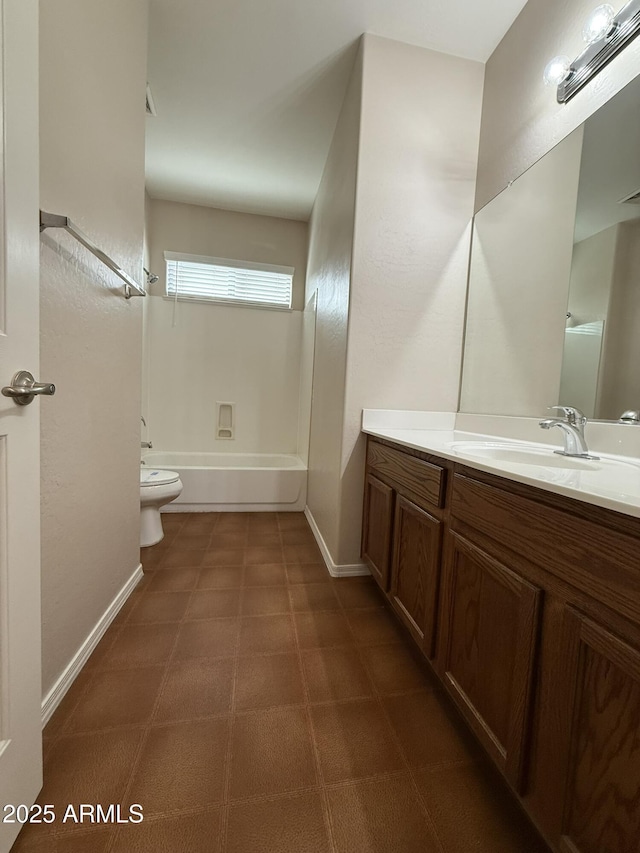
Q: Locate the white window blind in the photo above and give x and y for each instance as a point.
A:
(230, 282)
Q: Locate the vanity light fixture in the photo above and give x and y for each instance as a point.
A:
(599, 23)
(557, 70)
(606, 35)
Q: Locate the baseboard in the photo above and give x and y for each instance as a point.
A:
(174, 507)
(71, 672)
(337, 571)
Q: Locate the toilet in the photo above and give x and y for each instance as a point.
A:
(157, 488)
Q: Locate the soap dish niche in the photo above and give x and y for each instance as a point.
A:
(225, 420)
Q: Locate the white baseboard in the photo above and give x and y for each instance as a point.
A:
(71, 672)
(348, 570)
(174, 507)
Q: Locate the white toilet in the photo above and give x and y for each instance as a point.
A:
(157, 488)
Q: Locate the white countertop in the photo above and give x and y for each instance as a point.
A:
(613, 482)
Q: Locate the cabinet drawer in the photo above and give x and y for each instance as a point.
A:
(421, 479)
(593, 558)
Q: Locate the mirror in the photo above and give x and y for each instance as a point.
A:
(553, 311)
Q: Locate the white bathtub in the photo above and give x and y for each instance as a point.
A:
(234, 482)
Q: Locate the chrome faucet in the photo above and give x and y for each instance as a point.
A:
(572, 426)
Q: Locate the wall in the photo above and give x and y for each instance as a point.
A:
(197, 230)
(416, 181)
(198, 354)
(329, 273)
(92, 84)
(521, 119)
(405, 288)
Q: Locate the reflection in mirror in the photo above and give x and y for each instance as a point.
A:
(553, 310)
(518, 287)
(600, 372)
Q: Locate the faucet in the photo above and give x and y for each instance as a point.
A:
(572, 426)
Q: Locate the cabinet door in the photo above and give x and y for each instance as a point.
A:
(602, 752)
(415, 572)
(490, 627)
(376, 528)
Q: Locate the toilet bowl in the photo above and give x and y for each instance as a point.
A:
(157, 488)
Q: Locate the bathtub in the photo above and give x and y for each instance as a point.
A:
(234, 482)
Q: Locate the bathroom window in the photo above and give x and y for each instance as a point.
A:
(230, 282)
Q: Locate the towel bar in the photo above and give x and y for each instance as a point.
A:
(54, 220)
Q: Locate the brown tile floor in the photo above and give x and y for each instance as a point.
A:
(251, 704)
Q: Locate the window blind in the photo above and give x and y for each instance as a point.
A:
(228, 281)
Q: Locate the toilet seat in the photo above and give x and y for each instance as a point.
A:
(157, 477)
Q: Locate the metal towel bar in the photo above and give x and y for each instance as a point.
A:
(54, 220)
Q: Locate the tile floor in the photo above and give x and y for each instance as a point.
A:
(251, 704)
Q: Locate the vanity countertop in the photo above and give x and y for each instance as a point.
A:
(613, 482)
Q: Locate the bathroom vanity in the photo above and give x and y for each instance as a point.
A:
(526, 603)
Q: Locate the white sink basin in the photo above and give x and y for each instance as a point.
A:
(524, 454)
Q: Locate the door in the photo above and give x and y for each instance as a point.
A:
(601, 747)
(376, 529)
(490, 635)
(415, 573)
(20, 689)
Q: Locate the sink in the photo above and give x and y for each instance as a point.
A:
(523, 454)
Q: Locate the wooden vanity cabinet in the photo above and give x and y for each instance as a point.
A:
(377, 527)
(600, 745)
(402, 534)
(536, 602)
(568, 739)
(490, 618)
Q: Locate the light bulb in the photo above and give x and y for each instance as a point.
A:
(557, 70)
(598, 23)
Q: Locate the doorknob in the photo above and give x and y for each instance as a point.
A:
(24, 388)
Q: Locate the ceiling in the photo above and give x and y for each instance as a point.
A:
(248, 92)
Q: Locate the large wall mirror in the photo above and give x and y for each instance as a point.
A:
(553, 311)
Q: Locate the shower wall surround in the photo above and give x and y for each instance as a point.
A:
(199, 354)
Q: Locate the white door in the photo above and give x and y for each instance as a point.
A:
(20, 688)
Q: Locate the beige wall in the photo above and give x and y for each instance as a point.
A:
(416, 181)
(329, 273)
(198, 354)
(92, 83)
(521, 119)
(391, 299)
(197, 230)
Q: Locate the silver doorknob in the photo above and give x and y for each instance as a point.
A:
(24, 388)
